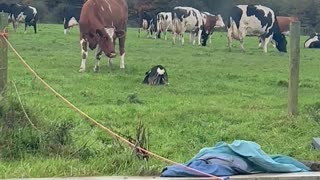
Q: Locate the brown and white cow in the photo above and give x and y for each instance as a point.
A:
(210, 22)
(284, 25)
(101, 22)
(187, 19)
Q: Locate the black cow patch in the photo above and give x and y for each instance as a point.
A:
(70, 12)
(180, 14)
(156, 76)
(236, 16)
(5, 8)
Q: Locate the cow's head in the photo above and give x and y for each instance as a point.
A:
(106, 38)
(219, 23)
(281, 43)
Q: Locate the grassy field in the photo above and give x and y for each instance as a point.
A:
(214, 95)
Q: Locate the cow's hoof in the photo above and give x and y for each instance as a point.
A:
(122, 67)
(82, 70)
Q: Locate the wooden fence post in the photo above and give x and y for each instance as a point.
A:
(294, 68)
(3, 55)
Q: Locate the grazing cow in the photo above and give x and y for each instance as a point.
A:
(101, 22)
(26, 14)
(210, 22)
(71, 16)
(255, 20)
(313, 41)
(187, 19)
(164, 23)
(148, 22)
(284, 25)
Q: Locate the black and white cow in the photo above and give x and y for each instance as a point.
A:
(313, 41)
(147, 21)
(26, 14)
(71, 16)
(187, 19)
(255, 20)
(164, 23)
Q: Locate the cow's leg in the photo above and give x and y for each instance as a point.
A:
(148, 33)
(122, 41)
(242, 45)
(35, 28)
(210, 38)
(242, 34)
(139, 32)
(229, 37)
(174, 38)
(165, 34)
(260, 42)
(25, 27)
(14, 24)
(273, 42)
(182, 38)
(199, 36)
(84, 53)
(191, 38)
(265, 44)
(98, 58)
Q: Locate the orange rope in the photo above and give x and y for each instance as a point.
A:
(97, 124)
(5, 33)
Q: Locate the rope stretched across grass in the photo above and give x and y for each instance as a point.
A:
(99, 125)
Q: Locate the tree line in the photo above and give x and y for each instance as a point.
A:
(308, 11)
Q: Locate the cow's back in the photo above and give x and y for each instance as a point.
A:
(284, 22)
(98, 14)
(190, 17)
(255, 20)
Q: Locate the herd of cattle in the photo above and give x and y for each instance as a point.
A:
(102, 21)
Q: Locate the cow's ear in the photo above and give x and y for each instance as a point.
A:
(99, 32)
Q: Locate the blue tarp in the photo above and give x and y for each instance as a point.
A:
(240, 157)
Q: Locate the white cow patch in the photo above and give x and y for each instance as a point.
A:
(160, 71)
(251, 24)
(34, 10)
(122, 61)
(72, 22)
(110, 32)
(307, 43)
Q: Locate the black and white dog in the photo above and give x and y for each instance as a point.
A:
(156, 76)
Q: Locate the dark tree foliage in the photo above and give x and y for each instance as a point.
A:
(308, 11)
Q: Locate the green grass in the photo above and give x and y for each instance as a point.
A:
(214, 95)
